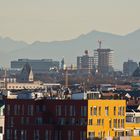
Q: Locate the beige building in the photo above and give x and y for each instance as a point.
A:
(20, 86)
(2, 118)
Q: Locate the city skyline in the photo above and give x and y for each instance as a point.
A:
(61, 20)
(69, 70)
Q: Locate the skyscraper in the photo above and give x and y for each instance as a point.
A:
(103, 60)
(85, 63)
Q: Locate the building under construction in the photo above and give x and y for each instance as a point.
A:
(103, 60)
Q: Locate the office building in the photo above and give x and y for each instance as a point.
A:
(38, 66)
(85, 63)
(129, 67)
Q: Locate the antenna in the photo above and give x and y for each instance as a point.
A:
(100, 44)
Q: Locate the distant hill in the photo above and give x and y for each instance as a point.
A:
(125, 47)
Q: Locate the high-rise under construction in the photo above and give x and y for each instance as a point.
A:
(103, 60)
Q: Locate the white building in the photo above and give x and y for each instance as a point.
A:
(86, 95)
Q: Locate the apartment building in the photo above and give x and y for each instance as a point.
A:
(43, 119)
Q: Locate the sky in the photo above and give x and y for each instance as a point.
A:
(49, 20)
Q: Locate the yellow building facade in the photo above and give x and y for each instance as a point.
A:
(133, 129)
(106, 118)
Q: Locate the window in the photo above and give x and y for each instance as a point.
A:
(123, 111)
(90, 121)
(65, 110)
(11, 121)
(71, 121)
(98, 121)
(115, 133)
(58, 110)
(39, 108)
(83, 135)
(108, 133)
(70, 135)
(95, 111)
(36, 134)
(114, 111)
(83, 121)
(15, 134)
(1, 129)
(102, 121)
(8, 109)
(22, 109)
(119, 111)
(72, 110)
(8, 121)
(18, 110)
(83, 111)
(107, 111)
(110, 124)
(8, 134)
(103, 133)
(38, 120)
(60, 135)
(91, 111)
(55, 135)
(62, 121)
(23, 134)
(100, 134)
(44, 108)
(115, 123)
(48, 135)
(24, 120)
(15, 109)
(122, 123)
(118, 123)
(91, 135)
(30, 110)
(120, 134)
(99, 111)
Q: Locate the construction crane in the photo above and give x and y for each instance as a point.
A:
(66, 74)
(100, 44)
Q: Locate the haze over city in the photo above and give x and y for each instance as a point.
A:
(49, 20)
(69, 70)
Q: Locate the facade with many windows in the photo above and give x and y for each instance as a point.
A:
(63, 119)
(106, 118)
(38, 66)
(85, 63)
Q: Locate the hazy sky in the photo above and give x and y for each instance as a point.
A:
(48, 20)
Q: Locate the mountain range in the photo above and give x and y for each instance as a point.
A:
(124, 46)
